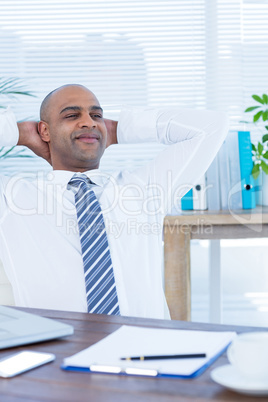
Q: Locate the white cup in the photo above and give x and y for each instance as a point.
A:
(248, 353)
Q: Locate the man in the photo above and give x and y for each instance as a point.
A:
(39, 235)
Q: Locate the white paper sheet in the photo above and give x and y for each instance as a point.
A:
(137, 341)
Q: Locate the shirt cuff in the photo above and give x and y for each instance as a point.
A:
(9, 132)
(137, 125)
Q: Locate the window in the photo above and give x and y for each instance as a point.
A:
(198, 53)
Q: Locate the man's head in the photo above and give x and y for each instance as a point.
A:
(71, 122)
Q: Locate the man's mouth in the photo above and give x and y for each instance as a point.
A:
(89, 138)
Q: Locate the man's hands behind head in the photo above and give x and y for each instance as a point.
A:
(29, 137)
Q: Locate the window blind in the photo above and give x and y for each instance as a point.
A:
(198, 53)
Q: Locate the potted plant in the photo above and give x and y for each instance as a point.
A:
(260, 150)
(11, 88)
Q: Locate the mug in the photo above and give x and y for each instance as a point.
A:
(248, 353)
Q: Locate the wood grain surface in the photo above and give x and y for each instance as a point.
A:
(51, 383)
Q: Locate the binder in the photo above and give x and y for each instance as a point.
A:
(235, 193)
(213, 186)
(105, 356)
(224, 176)
(246, 164)
(196, 197)
(200, 195)
(187, 201)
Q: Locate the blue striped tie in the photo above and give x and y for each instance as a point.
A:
(99, 276)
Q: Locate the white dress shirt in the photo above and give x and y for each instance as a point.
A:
(39, 239)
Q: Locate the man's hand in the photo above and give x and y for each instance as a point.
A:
(111, 126)
(29, 137)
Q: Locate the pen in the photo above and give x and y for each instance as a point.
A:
(162, 357)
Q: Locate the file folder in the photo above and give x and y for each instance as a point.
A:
(105, 356)
(224, 176)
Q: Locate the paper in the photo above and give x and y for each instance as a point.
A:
(137, 341)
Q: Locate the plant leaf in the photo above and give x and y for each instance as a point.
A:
(255, 171)
(265, 99)
(265, 138)
(258, 99)
(265, 155)
(264, 167)
(257, 116)
(265, 115)
(253, 147)
(249, 109)
(13, 86)
(260, 148)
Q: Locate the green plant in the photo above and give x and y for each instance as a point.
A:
(260, 150)
(11, 88)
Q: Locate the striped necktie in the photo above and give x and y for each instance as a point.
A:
(99, 276)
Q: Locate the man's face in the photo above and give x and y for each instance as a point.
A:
(76, 131)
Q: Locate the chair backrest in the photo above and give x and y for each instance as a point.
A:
(6, 294)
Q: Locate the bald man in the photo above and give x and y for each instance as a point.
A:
(63, 151)
(39, 233)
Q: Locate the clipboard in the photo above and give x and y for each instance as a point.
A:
(105, 356)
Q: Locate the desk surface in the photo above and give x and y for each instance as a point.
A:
(258, 215)
(179, 230)
(50, 383)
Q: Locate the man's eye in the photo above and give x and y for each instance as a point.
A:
(97, 116)
(70, 116)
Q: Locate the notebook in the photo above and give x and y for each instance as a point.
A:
(105, 356)
(19, 328)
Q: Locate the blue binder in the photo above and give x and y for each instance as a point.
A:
(187, 201)
(235, 193)
(246, 164)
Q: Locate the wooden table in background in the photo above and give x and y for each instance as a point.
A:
(50, 383)
(181, 229)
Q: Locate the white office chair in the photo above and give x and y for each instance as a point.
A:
(6, 293)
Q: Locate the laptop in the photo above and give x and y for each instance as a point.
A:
(20, 328)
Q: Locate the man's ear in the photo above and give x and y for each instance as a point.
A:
(43, 130)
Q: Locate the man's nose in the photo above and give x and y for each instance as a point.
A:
(87, 121)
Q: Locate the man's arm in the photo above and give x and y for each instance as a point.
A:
(25, 133)
(194, 137)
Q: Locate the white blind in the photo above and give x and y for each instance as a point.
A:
(237, 45)
(190, 53)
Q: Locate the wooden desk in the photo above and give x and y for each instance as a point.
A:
(180, 230)
(50, 383)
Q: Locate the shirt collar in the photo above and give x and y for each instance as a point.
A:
(64, 176)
